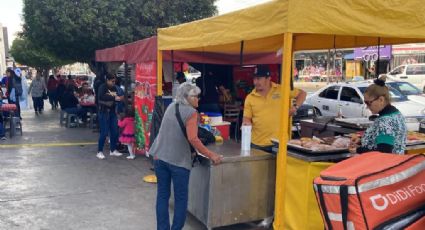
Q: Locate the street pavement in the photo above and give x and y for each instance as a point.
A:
(51, 179)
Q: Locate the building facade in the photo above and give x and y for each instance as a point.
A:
(2, 51)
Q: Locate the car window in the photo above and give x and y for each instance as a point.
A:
(350, 94)
(330, 93)
(405, 88)
(395, 95)
(415, 70)
(398, 70)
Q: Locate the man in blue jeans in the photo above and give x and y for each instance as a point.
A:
(107, 98)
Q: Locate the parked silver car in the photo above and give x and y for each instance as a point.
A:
(347, 98)
(410, 91)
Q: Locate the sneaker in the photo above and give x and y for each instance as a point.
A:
(115, 153)
(3, 138)
(131, 157)
(100, 155)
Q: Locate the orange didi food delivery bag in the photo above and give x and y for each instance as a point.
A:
(373, 191)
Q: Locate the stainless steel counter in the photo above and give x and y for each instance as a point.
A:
(319, 157)
(241, 189)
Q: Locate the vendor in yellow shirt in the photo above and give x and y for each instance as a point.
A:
(262, 108)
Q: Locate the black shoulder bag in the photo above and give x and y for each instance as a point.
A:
(193, 152)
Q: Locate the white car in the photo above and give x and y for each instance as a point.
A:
(412, 73)
(348, 99)
(408, 90)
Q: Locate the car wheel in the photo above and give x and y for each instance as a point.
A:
(317, 112)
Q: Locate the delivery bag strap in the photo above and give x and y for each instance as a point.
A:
(323, 205)
(343, 197)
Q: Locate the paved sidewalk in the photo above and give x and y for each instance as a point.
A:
(51, 179)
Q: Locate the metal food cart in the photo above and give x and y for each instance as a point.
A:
(240, 189)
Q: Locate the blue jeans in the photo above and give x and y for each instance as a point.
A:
(108, 125)
(1, 129)
(166, 173)
(38, 103)
(53, 99)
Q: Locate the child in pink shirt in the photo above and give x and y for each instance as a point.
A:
(127, 134)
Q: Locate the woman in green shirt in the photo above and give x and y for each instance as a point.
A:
(388, 131)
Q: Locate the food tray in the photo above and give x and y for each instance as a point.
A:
(306, 150)
(415, 142)
(357, 123)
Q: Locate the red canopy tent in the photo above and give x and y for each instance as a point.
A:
(114, 54)
(146, 50)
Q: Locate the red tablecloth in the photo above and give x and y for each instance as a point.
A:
(87, 104)
(8, 107)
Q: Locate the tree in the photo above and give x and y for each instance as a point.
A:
(75, 29)
(26, 53)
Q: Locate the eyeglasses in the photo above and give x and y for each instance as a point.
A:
(369, 103)
(195, 96)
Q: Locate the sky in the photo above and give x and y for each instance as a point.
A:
(11, 17)
(11, 12)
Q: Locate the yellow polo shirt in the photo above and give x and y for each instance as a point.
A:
(264, 113)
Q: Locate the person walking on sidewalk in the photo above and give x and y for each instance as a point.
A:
(107, 96)
(52, 85)
(127, 134)
(36, 90)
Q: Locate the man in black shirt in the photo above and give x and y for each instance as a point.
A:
(107, 97)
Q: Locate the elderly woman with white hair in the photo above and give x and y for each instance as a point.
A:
(173, 157)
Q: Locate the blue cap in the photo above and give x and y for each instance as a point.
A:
(18, 72)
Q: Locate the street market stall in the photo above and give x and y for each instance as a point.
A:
(142, 56)
(285, 26)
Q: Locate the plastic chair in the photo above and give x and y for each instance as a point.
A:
(16, 125)
(93, 120)
(63, 117)
(231, 114)
(69, 120)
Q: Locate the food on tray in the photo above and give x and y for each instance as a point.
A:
(295, 142)
(310, 144)
(322, 147)
(341, 143)
(319, 145)
(415, 136)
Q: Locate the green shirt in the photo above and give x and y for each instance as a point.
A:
(389, 128)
